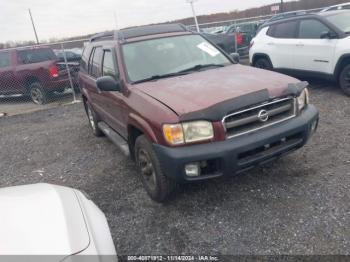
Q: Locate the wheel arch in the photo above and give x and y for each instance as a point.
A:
(29, 80)
(261, 55)
(343, 61)
(138, 126)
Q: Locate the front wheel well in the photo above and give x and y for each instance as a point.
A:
(341, 65)
(133, 134)
(256, 57)
(29, 80)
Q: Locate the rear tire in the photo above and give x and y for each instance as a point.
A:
(93, 120)
(344, 80)
(158, 186)
(38, 94)
(263, 63)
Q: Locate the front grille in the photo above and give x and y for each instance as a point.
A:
(260, 116)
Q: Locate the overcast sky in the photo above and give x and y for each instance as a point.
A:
(62, 18)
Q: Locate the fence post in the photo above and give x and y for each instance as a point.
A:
(69, 74)
(236, 45)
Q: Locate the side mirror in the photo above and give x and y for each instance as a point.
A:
(235, 57)
(328, 35)
(108, 83)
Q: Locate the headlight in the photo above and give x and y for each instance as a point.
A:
(198, 131)
(303, 99)
(177, 134)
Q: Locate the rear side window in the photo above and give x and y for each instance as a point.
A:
(95, 62)
(283, 30)
(4, 59)
(311, 29)
(85, 58)
(35, 56)
(108, 67)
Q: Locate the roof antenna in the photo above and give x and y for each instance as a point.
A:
(118, 34)
(116, 20)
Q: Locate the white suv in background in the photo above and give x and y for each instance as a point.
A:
(316, 45)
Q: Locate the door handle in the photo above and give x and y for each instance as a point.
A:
(270, 43)
(300, 44)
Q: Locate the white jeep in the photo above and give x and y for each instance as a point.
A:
(316, 45)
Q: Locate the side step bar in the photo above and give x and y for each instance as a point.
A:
(115, 137)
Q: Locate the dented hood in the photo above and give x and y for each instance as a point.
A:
(199, 90)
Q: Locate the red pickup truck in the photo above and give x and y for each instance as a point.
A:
(32, 71)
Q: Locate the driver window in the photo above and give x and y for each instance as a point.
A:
(312, 29)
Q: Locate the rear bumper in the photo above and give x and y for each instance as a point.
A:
(239, 154)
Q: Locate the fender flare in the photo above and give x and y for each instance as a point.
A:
(141, 124)
(337, 68)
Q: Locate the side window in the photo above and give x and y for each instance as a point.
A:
(4, 59)
(32, 56)
(90, 61)
(108, 67)
(271, 31)
(85, 58)
(311, 29)
(283, 30)
(95, 70)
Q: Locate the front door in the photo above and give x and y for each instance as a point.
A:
(113, 101)
(313, 53)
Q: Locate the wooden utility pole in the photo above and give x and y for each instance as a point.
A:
(31, 19)
(282, 9)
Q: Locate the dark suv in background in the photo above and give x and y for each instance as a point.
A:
(32, 71)
(184, 110)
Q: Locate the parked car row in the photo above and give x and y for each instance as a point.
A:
(182, 108)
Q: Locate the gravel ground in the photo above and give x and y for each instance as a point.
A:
(297, 205)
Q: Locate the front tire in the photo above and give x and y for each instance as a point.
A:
(263, 63)
(344, 80)
(158, 186)
(38, 94)
(93, 120)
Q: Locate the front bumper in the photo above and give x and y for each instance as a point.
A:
(239, 154)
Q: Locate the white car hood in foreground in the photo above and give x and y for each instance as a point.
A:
(41, 219)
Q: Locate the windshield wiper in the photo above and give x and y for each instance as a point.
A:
(179, 73)
(200, 67)
(157, 77)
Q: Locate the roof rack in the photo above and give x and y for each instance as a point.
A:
(103, 36)
(139, 32)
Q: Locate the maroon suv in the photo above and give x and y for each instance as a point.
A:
(184, 110)
(33, 72)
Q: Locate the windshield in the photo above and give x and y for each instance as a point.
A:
(341, 20)
(169, 55)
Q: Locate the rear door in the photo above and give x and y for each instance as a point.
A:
(313, 53)
(8, 83)
(281, 44)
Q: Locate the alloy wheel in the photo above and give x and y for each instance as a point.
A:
(37, 96)
(147, 170)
